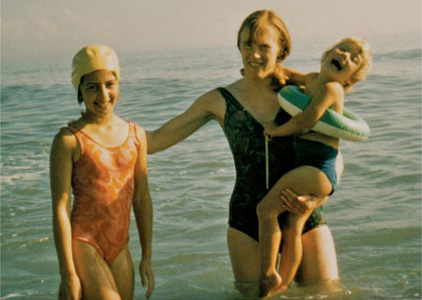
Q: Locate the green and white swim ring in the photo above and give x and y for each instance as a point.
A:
(347, 126)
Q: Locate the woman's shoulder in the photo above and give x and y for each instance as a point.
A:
(210, 96)
(214, 95)
(211, 102)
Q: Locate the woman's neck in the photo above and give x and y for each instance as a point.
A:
(254, 86)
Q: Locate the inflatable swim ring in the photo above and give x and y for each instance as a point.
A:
(347, 126)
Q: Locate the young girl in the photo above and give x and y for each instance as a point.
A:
(342, 65)
(102, 158)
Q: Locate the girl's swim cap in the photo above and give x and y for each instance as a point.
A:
(92, 58)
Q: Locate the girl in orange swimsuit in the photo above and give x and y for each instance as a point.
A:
(102, 159)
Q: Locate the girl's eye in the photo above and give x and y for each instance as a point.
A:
(91, 87)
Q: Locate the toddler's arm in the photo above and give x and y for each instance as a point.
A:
(326, 96)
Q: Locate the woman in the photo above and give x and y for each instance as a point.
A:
(241, 108)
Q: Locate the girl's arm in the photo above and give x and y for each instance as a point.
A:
(327, 95)
(180, 127)
(61, 162)
(142, 208)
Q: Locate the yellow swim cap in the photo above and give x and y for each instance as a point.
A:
(92, 58)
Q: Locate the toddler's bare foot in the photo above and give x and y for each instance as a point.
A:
(270, 285)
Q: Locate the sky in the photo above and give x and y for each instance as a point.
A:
(33, 28)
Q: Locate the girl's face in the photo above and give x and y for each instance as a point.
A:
(259, 51)
(342, 62)
(100, 92)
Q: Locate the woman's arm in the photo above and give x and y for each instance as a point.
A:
(180, 127)
(327, 96)
(142, 208)
(61, 162)
(295, 77)
(283, 76)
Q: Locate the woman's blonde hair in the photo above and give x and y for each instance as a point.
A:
(257, 20)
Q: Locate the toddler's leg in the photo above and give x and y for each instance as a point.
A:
(304, 180)
(291, 253)
(270, 234)
(95, 275)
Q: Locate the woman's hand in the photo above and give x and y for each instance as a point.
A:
(70, 289)
(299, 205)
(147, 275)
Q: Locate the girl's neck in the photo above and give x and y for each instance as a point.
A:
(92, 119)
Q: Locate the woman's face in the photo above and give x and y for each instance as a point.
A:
(100, 92)
(259, 51)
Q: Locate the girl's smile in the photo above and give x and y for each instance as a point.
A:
(100, 92)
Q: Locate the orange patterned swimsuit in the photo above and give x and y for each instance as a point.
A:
(103, 188)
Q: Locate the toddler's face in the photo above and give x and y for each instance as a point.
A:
(342, 61)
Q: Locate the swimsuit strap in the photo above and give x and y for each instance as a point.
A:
(230, 99)
(76, 132)
(134, 127)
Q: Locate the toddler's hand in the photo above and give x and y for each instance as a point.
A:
(269, 128)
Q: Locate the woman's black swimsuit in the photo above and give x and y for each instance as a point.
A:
(247, 143)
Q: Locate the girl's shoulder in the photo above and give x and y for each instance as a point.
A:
(139, 131)
(73, 125)
(65, 139)
(70, 128)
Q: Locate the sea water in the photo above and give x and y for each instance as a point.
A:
(375, 216)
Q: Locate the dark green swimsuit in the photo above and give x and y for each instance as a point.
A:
(247, 143)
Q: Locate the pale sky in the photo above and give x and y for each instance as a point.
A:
(30, 28)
